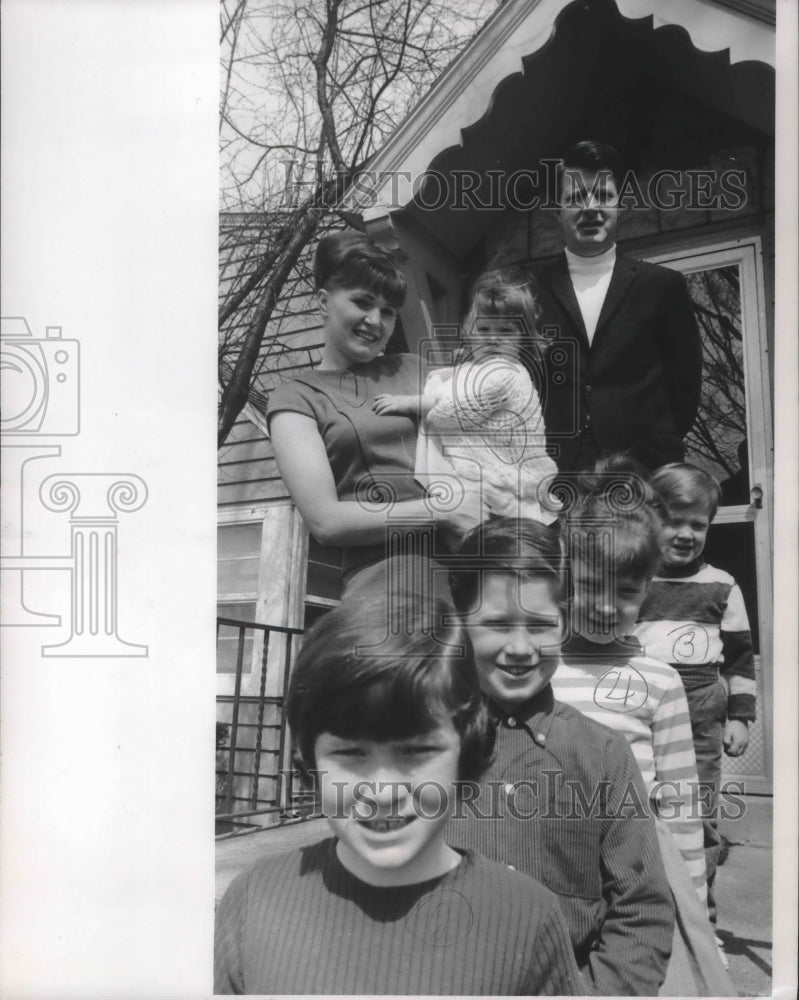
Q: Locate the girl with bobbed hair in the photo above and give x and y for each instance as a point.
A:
(389, 663)
(389, 718)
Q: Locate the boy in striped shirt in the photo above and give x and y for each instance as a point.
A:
(694, 618)
(613, 541)
(609, 677)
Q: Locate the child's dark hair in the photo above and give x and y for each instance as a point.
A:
(592, 157)
(348, 259)
(389, 663)
(505, 545)
(499, 294)
(679, 484)
(615, 518)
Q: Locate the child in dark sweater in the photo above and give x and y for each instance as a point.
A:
(388, 718)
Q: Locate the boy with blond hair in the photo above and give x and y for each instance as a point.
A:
(694, 618)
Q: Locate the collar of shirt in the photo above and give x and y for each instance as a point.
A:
(535, 716)
(579, 646)
(678, 572)
(601, 262)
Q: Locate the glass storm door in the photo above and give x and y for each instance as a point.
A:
(732, 439)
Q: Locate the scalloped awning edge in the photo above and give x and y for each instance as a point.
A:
(520, 28)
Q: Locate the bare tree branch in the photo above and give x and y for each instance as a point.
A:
(309, 90)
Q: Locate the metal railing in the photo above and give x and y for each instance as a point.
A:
(256, 783)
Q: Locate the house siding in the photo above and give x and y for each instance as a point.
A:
(246, 468)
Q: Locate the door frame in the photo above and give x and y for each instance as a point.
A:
(700, 253)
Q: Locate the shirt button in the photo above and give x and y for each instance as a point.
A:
(512, 867)
(508, 789)
(512, 722)
(541, 737)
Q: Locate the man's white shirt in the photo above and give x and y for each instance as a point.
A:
(590, 277)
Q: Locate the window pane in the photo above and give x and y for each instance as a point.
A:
(241, 611)
(324, 570)
(313, 612)
(718, 438)
(238, 558)
(227, 641)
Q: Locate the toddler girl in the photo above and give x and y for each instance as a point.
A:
(482, 437)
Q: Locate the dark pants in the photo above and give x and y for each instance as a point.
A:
(707, 704)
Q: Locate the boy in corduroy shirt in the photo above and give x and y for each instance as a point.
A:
(388, 718)
(563, 800)
(693, 617)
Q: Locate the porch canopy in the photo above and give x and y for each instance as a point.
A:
(541, 75)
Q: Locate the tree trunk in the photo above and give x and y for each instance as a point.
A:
(234, 394)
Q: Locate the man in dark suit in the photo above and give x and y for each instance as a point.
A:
(623, 369)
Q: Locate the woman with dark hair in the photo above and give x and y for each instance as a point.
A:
(348, 469)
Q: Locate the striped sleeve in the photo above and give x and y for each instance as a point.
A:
(675, 769)
(738, 668)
